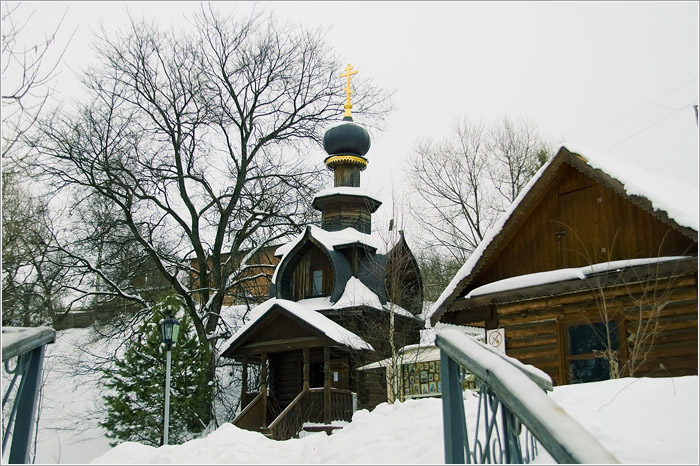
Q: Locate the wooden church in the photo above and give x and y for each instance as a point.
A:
(338, 296)
(592, 273)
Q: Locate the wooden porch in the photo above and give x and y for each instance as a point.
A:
(308, 406)
(318, 405)
(305, 375)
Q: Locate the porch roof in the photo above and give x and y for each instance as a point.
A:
(305, 311)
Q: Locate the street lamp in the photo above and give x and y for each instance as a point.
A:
(169, 329)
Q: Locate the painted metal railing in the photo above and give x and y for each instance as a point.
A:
(25, 347)
(515, 415)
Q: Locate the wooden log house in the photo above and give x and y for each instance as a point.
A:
(592, 272)
(252, 283)
(332, 297)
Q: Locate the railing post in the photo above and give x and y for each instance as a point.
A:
(306, 369)
(327, 385)
(26, 405)
(263, 387)
(453, 418)
(244, 381)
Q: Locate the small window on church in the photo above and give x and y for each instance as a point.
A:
(317, 283)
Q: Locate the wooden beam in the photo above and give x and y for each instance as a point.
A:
(281, 345)
(306, 369)
(244, 381)
(492, 322)
(327, 385)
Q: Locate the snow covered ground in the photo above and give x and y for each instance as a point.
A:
(638, 420)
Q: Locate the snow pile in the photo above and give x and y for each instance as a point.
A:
(637, 420)
(71, 398)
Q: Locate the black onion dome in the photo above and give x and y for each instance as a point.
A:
(348, 138)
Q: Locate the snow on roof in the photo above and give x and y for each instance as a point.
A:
(678, 199)
(553, 276)
(357, 294)
(333, 239)
(393, 307)
(305, 310)
(684, 213)
(347, 190)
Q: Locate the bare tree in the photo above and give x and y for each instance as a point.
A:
(32, 277)
(186, 137)
(518, 152)
(404, 288)
(437, 269)
(464, 182)
(28, 70)
(449, 178)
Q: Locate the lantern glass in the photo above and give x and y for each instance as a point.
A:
(176, 331)
(169, 330)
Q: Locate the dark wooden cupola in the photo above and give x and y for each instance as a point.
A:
(346, 205)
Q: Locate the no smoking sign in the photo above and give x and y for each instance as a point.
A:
(497, 339)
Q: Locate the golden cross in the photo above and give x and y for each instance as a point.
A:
(348, 89)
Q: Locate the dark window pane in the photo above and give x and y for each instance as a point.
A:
(317, 283)
(589, 370)
(587, 338)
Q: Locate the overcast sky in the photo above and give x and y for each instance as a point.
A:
(620, 78)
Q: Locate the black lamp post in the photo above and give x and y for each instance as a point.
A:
(169, 330)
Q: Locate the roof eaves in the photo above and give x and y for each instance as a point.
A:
(499, 231)
(581, 164)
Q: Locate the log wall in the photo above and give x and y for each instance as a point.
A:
(536, 329)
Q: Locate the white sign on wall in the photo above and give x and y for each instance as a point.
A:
(496, 338)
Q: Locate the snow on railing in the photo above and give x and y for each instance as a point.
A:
(512, 396)
(27, 345)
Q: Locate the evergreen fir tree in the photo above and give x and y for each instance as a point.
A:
(135, 406)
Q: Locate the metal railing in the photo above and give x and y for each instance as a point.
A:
(515, 415)
(26, 346)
